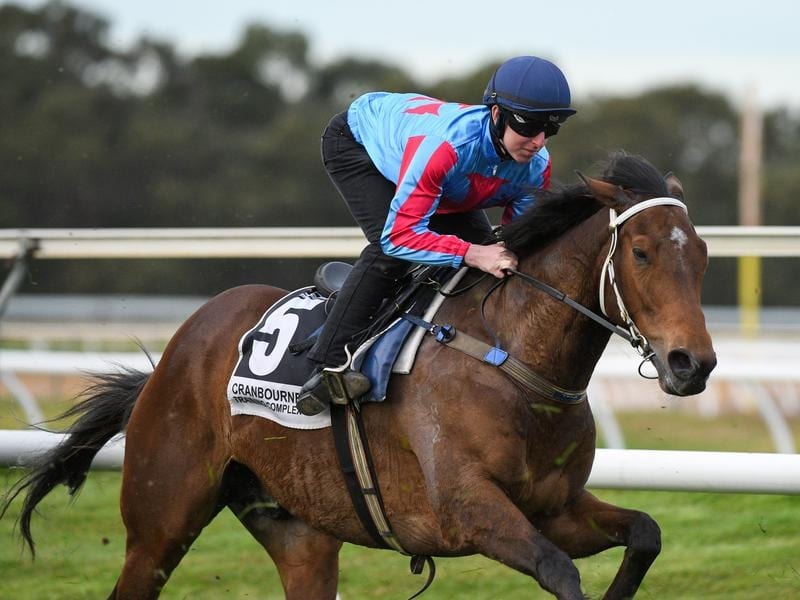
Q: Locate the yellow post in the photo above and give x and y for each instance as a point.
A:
(750, 213)
(749, 294)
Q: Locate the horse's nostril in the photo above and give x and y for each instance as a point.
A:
(682, 364)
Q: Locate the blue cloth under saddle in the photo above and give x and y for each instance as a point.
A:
(376, 363)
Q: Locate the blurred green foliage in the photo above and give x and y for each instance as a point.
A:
(94, 136)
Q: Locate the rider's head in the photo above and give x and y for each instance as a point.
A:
(531, 96)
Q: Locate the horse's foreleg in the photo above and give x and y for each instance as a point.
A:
(590, 526)
(307, 560)
(484, 520)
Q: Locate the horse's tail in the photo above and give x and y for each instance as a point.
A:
(103, 413)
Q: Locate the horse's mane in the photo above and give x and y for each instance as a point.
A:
(558, 210)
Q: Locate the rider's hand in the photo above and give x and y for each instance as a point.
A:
(494, 259)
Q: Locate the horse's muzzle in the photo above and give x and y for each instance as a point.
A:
(684, 373)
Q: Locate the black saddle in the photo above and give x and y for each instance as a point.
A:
(330, 277)
(417, 288)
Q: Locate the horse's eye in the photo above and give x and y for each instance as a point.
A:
(640, 255)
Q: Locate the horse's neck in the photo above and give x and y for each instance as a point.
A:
(555, 340)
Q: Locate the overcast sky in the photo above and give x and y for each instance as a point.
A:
(603, 47)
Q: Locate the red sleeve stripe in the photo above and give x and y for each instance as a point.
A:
(408, 154)
(421, 200)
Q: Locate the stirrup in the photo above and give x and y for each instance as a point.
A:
(345, 386)
(331, 385)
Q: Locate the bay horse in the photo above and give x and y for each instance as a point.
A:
(468, 461)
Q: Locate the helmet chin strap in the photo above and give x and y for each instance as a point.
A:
(497, 129)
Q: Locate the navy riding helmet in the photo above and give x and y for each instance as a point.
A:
(531, 87)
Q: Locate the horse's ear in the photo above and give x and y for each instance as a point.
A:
(609, 194)
(674, 186)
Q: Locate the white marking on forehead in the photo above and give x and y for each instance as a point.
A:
(679, 236)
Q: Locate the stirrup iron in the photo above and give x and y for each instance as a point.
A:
(345, 385)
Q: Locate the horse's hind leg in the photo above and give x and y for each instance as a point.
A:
(307, 560)
(171, 489)
(161, 525)
(591, 526)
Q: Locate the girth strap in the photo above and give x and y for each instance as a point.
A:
(515, 369)
(357, 470)
(356, 464)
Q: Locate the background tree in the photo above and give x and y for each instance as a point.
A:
(91, 136)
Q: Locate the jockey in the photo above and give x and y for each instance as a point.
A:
(416, 174)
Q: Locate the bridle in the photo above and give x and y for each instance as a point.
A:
(631, 333)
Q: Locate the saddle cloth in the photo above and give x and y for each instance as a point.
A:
(273, 365)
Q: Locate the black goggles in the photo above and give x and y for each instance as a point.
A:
(530, 127)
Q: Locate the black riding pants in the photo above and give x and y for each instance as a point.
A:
(368, 195)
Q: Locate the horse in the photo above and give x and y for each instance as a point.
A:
(468, 460)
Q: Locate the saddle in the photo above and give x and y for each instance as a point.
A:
(330, 276)
(378, 348)
(273, 363)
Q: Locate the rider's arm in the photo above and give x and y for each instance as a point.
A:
(426, 163)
